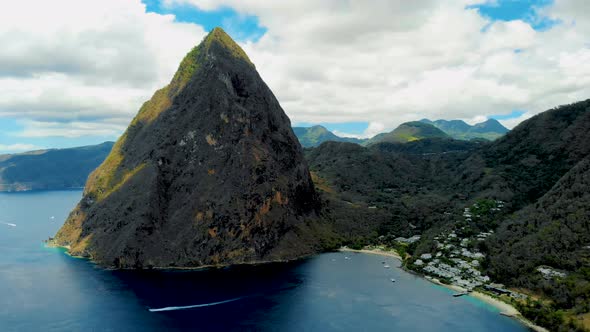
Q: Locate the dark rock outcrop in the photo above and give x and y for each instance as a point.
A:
(209, 172)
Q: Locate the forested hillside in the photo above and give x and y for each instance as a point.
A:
(409, 132)
(490, 129)
(537, 177)
(51, 169)
(316, 135)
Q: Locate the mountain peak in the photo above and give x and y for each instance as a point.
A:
(318, 134)
(319, 128)
(209, 172)
(219, 37)
(491, 120)
(490, 125)
(408, 132)
(217, 46)
(217, 43)
(459, 129)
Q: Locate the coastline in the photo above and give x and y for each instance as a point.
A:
(51, 244)
(506, 309)
(374, 252)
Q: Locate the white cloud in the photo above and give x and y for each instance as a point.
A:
(511, 123)
(373, 129)
(17, 147)
(380, 61)
(78, 66)
(386, 62)
(73, 129)
(345, 134)
(476, 119)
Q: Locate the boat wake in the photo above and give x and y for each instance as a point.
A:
(194, 306)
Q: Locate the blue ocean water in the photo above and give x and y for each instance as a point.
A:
(44, 289)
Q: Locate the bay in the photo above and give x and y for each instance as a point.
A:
(45, 289)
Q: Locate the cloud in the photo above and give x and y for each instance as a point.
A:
(387, 62)
(382, 62)
(72, 129)
(345, 134)
(17, 147)
(511, 123)
(80, 62)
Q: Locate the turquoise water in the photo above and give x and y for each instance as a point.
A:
(44, 289)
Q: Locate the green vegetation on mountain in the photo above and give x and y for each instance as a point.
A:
(409, 132)
(382, 189)
(316, 135)
(554, 234)
(490, 129)
(50, 169)
(539, 171)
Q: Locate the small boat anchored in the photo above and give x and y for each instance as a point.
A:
(460, 294)
(386, 266)
(392, 280)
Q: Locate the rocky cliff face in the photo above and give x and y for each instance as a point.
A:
(208, 172)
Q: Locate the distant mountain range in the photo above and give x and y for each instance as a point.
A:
(50, 169)
(316, 135)
(406, 132)
(69, 168)
(490, 129)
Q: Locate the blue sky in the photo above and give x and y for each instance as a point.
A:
(248, 28)
(508, 10)
(10, 129)
(241, 27)
(512, 115)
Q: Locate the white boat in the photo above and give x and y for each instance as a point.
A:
(392, 280)
(386, 266)
(346, 257)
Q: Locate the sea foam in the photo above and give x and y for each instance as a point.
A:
(194, 306)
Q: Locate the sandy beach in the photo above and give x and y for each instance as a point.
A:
(508, 310)
(374, 252)
(505, 308)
